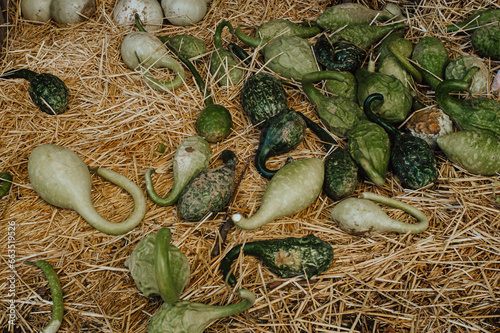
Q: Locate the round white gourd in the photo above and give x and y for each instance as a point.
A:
(184, 12)
(72, 11)
(36, 10)
(150, 13)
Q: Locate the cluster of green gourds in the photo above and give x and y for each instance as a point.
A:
(365, 107)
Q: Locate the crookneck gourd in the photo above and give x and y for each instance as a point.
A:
(209, 192)
(46, 90)
(431, 57)
(280, 134)
(412, 159)
(223, 64)
(288, 257)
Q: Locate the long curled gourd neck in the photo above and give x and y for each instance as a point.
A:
(311, 91)
(445, 100)
(367, 108)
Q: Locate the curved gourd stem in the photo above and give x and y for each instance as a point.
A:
(5, 181)
(367, 108)
(56, 293)
(163, 270)
(257, 220)
(396, 225)
(26, 74)
(260, 164)
(311, 91)
(417, 76)
(169, 200)
(89, 214)
(214, 312)
(323, 135)
(239, 52)
(446, 101)
(218, 33)
(249, 40)
(170, 63)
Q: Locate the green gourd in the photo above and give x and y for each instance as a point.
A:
(398, 99)
(338, 55)
(288, 257)
(347, 88)
(293, 188)
(476, 151)
(479, 18)
(47, 91)
(340, 15)
(459, 67)
(363, 35)
(412, 159)
(431, 57)
(280, 134)
(191, 157)
(223, 64)
(338, 114)
(209, 192)
(263, 97)
(62, 179)
(475, 113)
(486, 41)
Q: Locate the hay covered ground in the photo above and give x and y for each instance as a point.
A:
(446, 279)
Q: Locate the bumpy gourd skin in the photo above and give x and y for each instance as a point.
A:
(209, 192)
(338, 55)
(432, 56)
(486, 41)
(364, 36)
(306, 256)
(341, 175)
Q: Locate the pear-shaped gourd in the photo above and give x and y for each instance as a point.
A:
(62, 179)
(293, 188)
(362, 217)
(191, 157)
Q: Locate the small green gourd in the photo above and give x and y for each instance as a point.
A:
(476, 151)
(281, 134)
(223, 64)
(209, 192)
(338, 114)
(263, 97)
(340, 15)
(363, 35)
(479, 18)
(347, 88)
(412, 159)
(191, 157)
(338, 55)
(288, 257)
(486, 41)
(431, 57)
(47, 91)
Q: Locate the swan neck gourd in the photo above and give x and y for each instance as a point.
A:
(293, 188)
(361, 217)
(62, 179)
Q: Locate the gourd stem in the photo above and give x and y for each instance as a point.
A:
(56, 293)
(163, 270)
(239, 52)
(453, 106)
(421, 226)
(257, 220)
(5, 181)
(218, 33)
(162, 85)
(249, 40)
(260, 164)
(201, 84)
(323, 135)
(311, 91)
(367, 108)
(26, 74)
(213, 312)
(89, 214)
(168, 201)
(371, 172)
(415, 73)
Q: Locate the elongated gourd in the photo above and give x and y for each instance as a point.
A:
(191, 157)
(62, 179)
(293, 188)
(362, 217)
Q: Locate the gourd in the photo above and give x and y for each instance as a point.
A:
(139, 49)
(340, 15)
(191, 157)
(398, 99)
(184, 12)
(5, 183)
(150, 11)
(288, 257)
(280, 134)
(431, 56)
(362, 217)
(293, 188)
(214, 121)
(363, 35)
(46, 90)
(475, 113)
(209, 192)
(486, 41)
(370, 146)
(478, 18)
(338, 114)
(458, 68)
(341, 172)
(338, 55)
(223, 64)
(263, 97)
(347, 88)
(476, 151)
(62, 179)
(61, 11)
(276, 28)
(412, 159)
(429, 124)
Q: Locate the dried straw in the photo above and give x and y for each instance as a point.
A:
(446, 279)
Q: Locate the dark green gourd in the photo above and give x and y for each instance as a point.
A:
(486, 41)
(412, 159)
(306, 256)
(338, 55)
(263, 97)
(47, 91)
(209, 192)
(280, 134)
(341, 172)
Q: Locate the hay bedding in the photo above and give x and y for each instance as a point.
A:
(446, 279)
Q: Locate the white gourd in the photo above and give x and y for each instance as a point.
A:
(184, 12)
(149, 11)
(61, 11)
